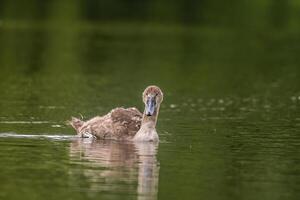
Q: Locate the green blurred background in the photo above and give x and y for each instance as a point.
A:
(204, 48)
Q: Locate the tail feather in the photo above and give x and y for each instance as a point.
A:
(75, 123)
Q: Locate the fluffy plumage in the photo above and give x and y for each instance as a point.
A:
(124, 124)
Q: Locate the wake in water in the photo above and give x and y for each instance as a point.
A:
(38, 136)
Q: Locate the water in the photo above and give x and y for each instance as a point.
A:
(229, 124)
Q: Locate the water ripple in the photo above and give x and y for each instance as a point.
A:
(38, 136)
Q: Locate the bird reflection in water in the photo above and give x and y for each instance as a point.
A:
(111, 166)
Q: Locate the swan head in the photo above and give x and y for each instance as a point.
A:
(152, 97)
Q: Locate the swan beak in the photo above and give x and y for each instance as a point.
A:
(150, 106)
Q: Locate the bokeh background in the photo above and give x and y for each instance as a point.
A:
(229, 125)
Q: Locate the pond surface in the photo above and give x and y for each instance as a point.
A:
(229, 125)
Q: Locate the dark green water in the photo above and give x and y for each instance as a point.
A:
(230, 121)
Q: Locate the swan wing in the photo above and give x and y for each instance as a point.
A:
(126, 122)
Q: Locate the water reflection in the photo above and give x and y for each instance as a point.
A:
(117, 167)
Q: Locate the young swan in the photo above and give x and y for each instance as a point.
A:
(152, 97)
(125, 124)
